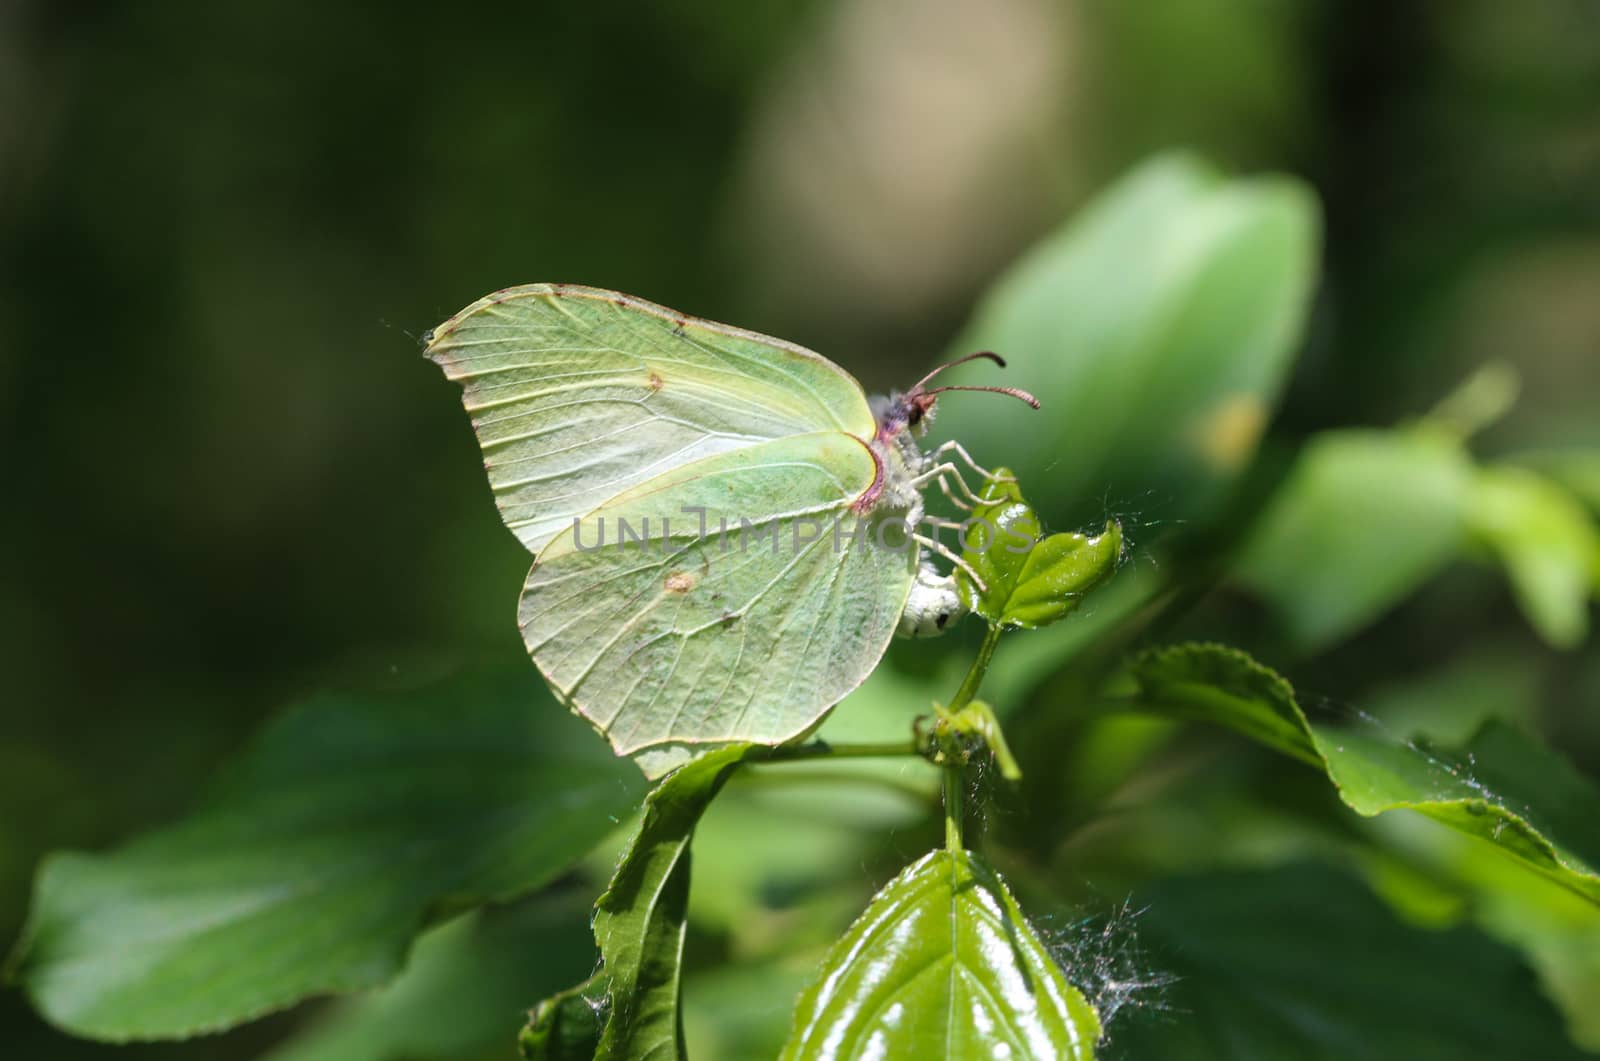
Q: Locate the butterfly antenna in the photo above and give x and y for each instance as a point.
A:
(1015, 392)
(990, 354)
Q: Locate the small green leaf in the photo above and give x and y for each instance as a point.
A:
(1303, 962)
(1362, 520)
(1156, 327)
(1501, 786)
(1548, 544)
(639, 923)
(352, 824)
(1030, 580)
(942, 964)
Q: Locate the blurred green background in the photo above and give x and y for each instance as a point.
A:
(231, 478)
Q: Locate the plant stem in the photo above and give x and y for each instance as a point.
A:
(974, 678)
(954, 771)
(954, 807)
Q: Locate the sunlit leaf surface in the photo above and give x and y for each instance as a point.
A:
(942, 964)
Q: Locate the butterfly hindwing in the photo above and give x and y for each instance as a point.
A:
(744, 623)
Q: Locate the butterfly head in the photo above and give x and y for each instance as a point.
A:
(899, 412)
(913, 409)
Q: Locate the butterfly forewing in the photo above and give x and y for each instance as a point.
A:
(744, 623)
(578, 394)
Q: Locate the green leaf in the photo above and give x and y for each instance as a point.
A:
(1501, 787)
(463, 991)
(639, 923)
(1557, 931)
(1363, 519)
(1029, 580)
(1548, 544)
(1303, 962)
(942, 964)
(1157, 328)
(350, 825)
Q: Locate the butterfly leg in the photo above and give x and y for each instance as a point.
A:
(946, 471)
(950, 495)
(944, 551)
(952, 446)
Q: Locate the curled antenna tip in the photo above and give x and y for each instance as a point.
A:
(1015, 392)
(989, 354)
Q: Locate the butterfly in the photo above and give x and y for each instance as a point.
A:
(727, 533)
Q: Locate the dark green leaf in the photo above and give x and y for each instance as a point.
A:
(1305, 963)
(464, 991)
(1029, 579)
(1156, 328)
(942, 964)
(1501, 786)
(1363, 519)
(353, 823)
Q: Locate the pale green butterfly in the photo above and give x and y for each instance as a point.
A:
(755, 574)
